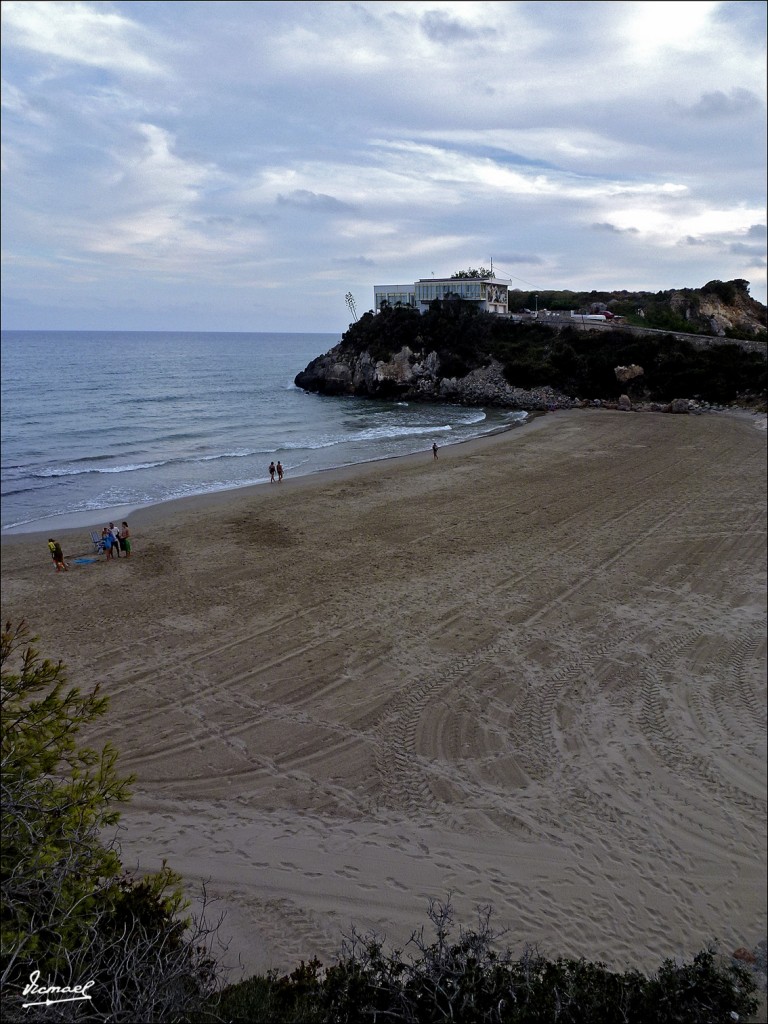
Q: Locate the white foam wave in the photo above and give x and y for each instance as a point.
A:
(80, 471)
(476, 416)
(393, 432)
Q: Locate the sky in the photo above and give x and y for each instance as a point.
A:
(239, 166)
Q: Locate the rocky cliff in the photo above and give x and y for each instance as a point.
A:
(721, 312)
(455, 353)
(409, 376)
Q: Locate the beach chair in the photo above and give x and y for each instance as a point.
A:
(98, 543)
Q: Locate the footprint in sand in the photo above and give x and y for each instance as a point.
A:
(396, 885)
(347, 872)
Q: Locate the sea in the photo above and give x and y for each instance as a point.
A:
(96, 424)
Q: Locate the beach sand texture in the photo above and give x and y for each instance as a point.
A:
(531, 673)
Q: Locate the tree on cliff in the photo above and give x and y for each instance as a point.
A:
(471, 274)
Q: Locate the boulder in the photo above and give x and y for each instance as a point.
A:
(679, 405)
(625, 373)
(625, 403)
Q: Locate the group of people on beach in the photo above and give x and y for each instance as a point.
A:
(116, 540)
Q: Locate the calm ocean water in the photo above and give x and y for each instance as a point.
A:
(95, 424)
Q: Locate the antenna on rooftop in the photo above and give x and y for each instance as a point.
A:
(491, 266)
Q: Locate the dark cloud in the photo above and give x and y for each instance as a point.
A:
(354, 261)
(442, 28)
(741, 249)
(738, 248)
(605, 226)
(313, 201)
(716, 105)
(745, 18)
(693, 240)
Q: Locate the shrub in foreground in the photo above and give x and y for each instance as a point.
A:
(464, 978)
(70, 915)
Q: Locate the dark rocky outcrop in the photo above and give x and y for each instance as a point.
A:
(408, 376)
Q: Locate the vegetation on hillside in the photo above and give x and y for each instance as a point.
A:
(683, 310)
(577, 363)
(72, 919)
(680, 309)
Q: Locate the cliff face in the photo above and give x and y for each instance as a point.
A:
(709, 313)
(408, 376)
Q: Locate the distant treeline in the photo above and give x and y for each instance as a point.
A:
(578, 363)
(678, 309)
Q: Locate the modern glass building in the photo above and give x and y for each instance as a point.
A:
(488, 293)
(393, 295)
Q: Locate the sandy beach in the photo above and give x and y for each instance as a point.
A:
(531, 673)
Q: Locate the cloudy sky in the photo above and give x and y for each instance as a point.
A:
(242, 166)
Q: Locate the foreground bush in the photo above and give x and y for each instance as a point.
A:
(70, 916)
(464, 979)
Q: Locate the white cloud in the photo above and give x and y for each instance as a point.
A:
(80, 33)
(657, 27)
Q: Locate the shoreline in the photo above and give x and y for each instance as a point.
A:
(68, 522)
(531, 673)
(72, 521)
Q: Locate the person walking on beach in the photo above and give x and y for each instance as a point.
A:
(52, 549)
(279, 472)
(272, 471)
(58, 558)
(434, 449)
(125, 540)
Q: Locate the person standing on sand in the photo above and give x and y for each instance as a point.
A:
(125, 540)
(279, 472)
(106, 540)
(115, 539)
(434, 449)
(52, 549)
(58, 558)
(272, 471)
